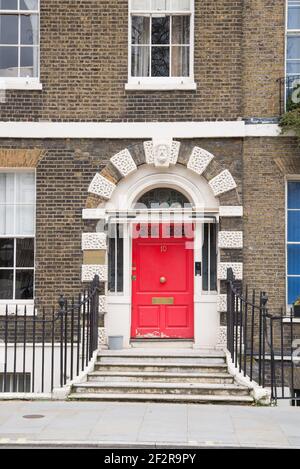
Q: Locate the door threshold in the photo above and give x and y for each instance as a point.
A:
(162, 343)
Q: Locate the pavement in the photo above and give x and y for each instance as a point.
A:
(129, 425)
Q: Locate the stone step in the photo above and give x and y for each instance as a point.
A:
(127, 376)
(167, 357)
(160, 367)
(160, 388)
(162, 344)
(163, 398)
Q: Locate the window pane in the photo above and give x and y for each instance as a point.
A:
(294, 259)
(25, 220)
(25, 188)
(293, 47)
(294, 194)
(160, 66)
(24, 284)
(6, 284)
(6, 252)
(294, 15)
(29, 4)
(7, 188)
(140, 61)
(293, 67)
(25, 253)
(294, 226)
(8, 4)
(140, 30)
(6, 220)
(29, 29)
(8, 29)
(161, 30)
(293, 289)
(8, 61)
(173, 5)
(29, 62)
(180, 61)
(140, 4)
(180, 30)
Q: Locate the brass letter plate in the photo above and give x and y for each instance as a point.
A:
(163, 300)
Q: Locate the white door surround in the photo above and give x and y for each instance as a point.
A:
(117, 197)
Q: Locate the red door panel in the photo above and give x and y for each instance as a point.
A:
(162, 287)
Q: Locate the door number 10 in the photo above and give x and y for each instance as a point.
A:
(163, 248)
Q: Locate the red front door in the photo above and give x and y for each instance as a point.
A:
(163, 285)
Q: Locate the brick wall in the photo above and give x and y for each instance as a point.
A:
(84, 67)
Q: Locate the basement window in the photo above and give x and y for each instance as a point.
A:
(19, 44)
(161, 44)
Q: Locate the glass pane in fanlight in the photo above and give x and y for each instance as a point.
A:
(25, 188)
(29, 29)
(25, 220)
(7, 188)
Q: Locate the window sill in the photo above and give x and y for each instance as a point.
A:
(161, 86)
(29, 85)
(11, 304)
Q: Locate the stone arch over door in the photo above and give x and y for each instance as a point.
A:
(197, 160)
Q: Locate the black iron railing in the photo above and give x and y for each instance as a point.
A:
(289, 93)
(263, 346)
(41, 350)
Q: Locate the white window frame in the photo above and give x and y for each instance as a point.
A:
(12, 303)
(288, 33)
(23, 83)
(162, 83)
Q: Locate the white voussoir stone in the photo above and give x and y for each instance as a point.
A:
(89, 272)
(199, 160)
(231, 211)
(222, 303)
(102, 186)
(124, 162)
(237, 268)
(222, 337)
(93, 241)
(222, 183)
(150, 150)
(230, 240)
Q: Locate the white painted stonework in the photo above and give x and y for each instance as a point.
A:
(124, 162)
(199, 160)
(231, 211)
(222, 337)
(161, 152)
(223, 182)
(93, 241)
(89, 272)
(102, 187)
(222, 303)
(237, 268)
(230, 240)
(94, 214)
(102, 304)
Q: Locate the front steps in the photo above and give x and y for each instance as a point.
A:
(160, 375)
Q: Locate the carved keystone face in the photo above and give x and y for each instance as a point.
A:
(162, 155)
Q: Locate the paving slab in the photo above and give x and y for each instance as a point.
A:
(128, 425)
